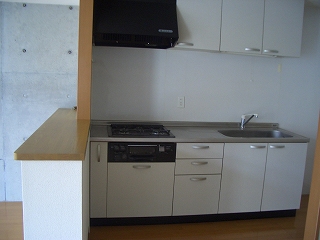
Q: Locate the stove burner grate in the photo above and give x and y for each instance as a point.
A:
(139, 130)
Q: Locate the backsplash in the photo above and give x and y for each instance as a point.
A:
(144, 84)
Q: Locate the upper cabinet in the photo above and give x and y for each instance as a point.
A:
(199, 24)
(268, 27)
(283, 22)
(242, 26)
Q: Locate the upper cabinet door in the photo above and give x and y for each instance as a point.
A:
(242, 26)
(199, 24)
(283, 27)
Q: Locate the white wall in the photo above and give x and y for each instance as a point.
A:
(37, 82)
(57, 2)
(52, 204)
(2, 185)
(144, 84)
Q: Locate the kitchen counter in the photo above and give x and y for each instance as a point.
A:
(55, 178)
(61, 137)
(199, 132)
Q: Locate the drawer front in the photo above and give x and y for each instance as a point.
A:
(196, 194)
(198, 166)
(200, 150)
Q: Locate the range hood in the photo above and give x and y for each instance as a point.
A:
(135, 23)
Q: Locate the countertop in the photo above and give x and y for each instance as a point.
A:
(61, 137)
(199, 132)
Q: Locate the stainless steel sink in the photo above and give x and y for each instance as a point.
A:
(254, 133)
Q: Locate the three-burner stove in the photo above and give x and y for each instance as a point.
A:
(139, 130)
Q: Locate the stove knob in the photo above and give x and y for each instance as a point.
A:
(124, 156)
(122, 148)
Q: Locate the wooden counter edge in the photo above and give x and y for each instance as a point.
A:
(61, 137)
(312, 226)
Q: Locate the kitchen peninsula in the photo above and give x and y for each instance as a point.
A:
(55, 178)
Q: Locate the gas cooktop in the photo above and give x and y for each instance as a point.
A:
(139, 130)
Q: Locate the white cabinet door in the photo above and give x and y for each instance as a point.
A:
(242, 177)
(284, 176)
(196, 194)
(199, 24)
(242, 26)
(140, 189)
(98, 179)
(283, 27)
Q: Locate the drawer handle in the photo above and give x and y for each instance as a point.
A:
(200, 147)
(199, 163)
(141, 166)
(185, 44)
(252, 49)
(277, 146)
(270, 51)
(198, 179)
(99, 152)
(257, 147)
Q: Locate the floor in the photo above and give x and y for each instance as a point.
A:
(11, 221)
(260, 229)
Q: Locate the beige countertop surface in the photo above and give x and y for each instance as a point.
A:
(64, 137)
(200, 132)
(61, 137)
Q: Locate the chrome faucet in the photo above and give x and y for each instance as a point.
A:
(243, 119)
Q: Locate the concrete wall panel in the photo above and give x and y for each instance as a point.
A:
(2, 185)
(38, 38)
(35, 82)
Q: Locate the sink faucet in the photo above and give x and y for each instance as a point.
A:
(243, 119)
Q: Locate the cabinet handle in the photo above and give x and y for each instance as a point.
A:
(277, 146)
(141, 166)
(270, 51)
(197, 179)
(257, 147)
(199, 163)
(252, 49)
(185, 44)
(200, 147)
(99, 152)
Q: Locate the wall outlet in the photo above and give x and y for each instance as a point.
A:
(181, 103)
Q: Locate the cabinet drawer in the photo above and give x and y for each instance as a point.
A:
(196, 194)
(200, 150)
(198, 166)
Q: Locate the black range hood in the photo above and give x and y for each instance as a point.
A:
(135, 23)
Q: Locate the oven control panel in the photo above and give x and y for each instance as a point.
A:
(141, 152)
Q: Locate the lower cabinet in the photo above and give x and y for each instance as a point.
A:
(196, 194)
(284, 176)
(98, 179)
(242, 177)
(207, 178)
(197, 178)
(262, 177)
(140, 189)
